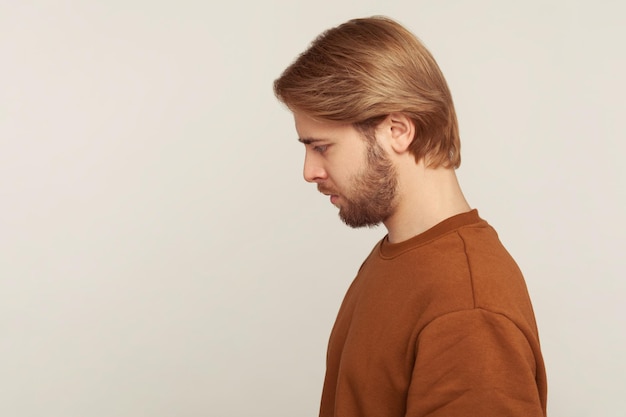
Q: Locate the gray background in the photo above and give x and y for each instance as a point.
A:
(160, 254)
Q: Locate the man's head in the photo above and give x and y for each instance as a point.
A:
(366, 69)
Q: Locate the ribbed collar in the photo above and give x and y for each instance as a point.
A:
(391, 250)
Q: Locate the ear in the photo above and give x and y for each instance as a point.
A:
(400, 130)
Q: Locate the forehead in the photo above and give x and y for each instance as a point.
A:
(310, 129)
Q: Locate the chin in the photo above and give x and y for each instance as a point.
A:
(360, 223)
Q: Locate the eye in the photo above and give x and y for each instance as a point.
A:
(320, 148)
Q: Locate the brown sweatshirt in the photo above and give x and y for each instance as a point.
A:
(438, 325)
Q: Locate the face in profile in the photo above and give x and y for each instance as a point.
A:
(352, 169)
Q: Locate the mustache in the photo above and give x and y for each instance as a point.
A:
(325, 190)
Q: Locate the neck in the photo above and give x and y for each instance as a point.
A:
(426, 196)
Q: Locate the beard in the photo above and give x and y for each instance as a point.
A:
(372, 195)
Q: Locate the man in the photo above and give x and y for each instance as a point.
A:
(438, 321)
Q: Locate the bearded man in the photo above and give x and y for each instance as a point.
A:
(438, 321)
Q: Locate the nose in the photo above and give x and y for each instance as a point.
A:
(313, 168)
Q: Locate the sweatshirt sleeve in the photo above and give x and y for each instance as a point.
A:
(474, 363)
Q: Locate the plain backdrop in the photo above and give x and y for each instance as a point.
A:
(160, 254)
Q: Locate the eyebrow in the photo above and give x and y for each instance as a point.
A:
(308, 141)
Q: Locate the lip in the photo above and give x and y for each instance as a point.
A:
(333, 197)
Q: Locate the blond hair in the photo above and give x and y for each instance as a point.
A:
(365, 69)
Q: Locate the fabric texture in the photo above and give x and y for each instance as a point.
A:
(438, 325)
